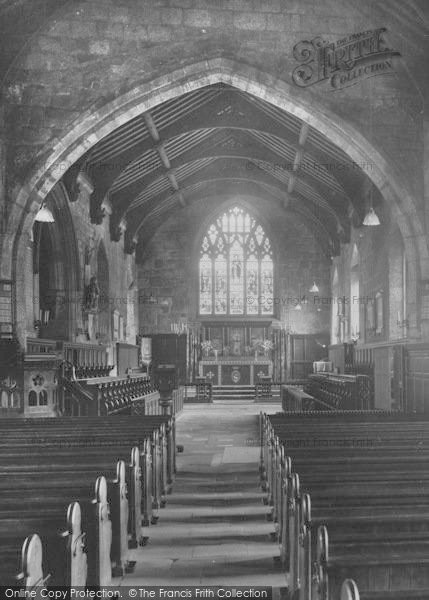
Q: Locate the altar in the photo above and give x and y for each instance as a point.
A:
(235, 370)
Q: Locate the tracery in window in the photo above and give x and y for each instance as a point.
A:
(236, 267)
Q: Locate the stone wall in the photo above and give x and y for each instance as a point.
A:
(90, 52)
(381, 271)
(168, 270)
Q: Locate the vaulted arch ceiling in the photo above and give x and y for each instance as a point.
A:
(215, 140)
(219, 138)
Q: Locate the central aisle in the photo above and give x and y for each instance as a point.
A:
(214, 530)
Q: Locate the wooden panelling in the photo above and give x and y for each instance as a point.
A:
(382, 376)
(417, 379)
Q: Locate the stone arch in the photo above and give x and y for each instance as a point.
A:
(97, 122)
(66, 279)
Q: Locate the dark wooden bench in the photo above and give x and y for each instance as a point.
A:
(387, 508)
(400, 566)
(295, 399)
(59, 468)
(340, 391)
(162, 428)
(35, 511)
(107, 396)
(64, 541)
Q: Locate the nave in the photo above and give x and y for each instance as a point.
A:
(214, 528)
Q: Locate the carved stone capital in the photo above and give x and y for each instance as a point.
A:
(84, 188)
(117, 229)
(130, 244)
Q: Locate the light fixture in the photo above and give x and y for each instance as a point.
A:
(314, 289)
(371, 219)
(298, 306)
(44, 215)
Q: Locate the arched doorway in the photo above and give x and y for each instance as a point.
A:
(49, 287)
(55, 271)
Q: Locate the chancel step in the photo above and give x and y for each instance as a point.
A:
(234, 392)
(241, 392)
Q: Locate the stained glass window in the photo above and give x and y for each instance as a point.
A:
(236, 274)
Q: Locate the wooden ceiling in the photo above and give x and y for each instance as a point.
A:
(216, 141)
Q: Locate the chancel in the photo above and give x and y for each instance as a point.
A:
(214, 298)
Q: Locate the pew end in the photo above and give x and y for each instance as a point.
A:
(118, 499)
(349, 590)
(77, 563)
(135, 494)
(102, 574)
(32, 563)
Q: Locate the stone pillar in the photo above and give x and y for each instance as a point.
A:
(425, 168)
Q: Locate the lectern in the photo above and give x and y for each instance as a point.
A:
(166, 382)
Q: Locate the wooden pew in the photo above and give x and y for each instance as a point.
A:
(102, 396)
(353, 525)
(64, 540)
(162, 450)
(14, 456)
(160, 426)
(340, 391)
(371, 565)
(300, 554)
(295, 399)
(348, 508)
(78, 481)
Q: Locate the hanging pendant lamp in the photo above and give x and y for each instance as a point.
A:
(44, 215)
(371, 219)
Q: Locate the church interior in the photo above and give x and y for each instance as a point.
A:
(214, 298)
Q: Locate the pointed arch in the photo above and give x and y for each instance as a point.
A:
(98, 121)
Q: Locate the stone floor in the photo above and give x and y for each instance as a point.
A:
(214, 529)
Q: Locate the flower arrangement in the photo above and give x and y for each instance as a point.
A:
(264, 345)
(206, 347)
(267, 345)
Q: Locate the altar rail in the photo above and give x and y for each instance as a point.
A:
(345, 392)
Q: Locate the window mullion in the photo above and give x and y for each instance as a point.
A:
(213, 286)
(228, 264)
(259, 284)
(244, 278)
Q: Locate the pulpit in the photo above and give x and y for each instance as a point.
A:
(166, 381)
